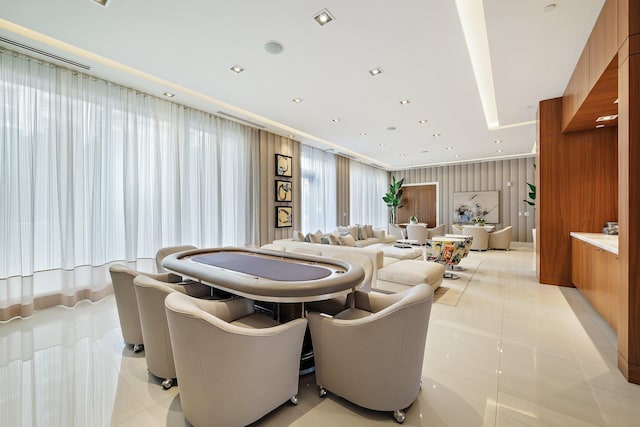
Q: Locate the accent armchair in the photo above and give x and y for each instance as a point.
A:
(153, 321)
(436, 231)
(127, 303)
(234, 366)
(501, 239)
(480, 237)
(372, 354)
(417, 233)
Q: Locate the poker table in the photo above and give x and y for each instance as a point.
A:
(267, 275)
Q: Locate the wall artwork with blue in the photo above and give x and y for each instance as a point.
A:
(470, 204)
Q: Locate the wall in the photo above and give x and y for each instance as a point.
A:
(343, 212)
(270, 144)
(483, 176)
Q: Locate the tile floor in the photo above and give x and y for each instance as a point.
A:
(511, 353)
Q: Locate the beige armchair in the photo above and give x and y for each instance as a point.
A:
(397, 231)
(372, 354)
(336, 305)
(480, 237)
(456, 229)
(234, 366)
(153, 321)
(127, 303)
(436, 231)
(417, 232)
(501, 239)
(163, 252)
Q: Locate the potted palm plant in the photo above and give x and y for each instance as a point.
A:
(393, 197)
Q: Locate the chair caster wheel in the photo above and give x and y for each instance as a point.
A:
(399, 416)
(323, 392)
(294, 400)
(167, 384)
(137, 348)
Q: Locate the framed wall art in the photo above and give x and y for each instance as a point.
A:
(470, 204)
(283, 165)
(284, 216)
(284, 190)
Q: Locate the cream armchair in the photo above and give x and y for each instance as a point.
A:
(372, 354)
(501, 239)
(150, 294)
(456, 229)
(480, 237)
(163, 252)
(234, 366)
(436, 231)
(418, 233)
(127, 303)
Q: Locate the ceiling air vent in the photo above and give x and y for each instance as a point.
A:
(44, 53)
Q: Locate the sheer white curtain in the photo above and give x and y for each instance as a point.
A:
(318, 190)
(367, 186)
(91, 172)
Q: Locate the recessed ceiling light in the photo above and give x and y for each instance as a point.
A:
(291, 136)
(323, 17)
(391, 128)
(101, 2)
(402, 154)
(297, 100)
(436, 135)
(237, 69)
(375, 71)
(404, 102)
(616, 101)
(273, 47)
(599, 126)
(497, 141)
(169, 95)
(607, 118)
(381, 144)
(422, 122)
(363, 134)
(549, 7)
(424, 151)
(498, 151)
(336, 120)
(448, 148)
(457, 156)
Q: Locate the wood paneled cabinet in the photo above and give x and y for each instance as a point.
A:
(595, 272)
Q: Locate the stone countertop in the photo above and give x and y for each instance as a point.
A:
(603, 241)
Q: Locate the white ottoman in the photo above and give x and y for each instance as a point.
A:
(403, 253)
(412, 272)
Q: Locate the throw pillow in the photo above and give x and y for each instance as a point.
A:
(298, 236)
(324, 240)
(316, 237)
(353, 230)
(369, 229)
(307, 238)
(347, 240)
(334, 239)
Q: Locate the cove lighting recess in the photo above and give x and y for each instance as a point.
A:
(471, 14)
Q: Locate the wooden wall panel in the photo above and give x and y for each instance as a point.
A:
(603, 42)
(483, 176)
(418, 200)
(270, 144)
(577, 189)
(343, 212)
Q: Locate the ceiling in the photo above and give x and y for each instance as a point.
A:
(187, 48)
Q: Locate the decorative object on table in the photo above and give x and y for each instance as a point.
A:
(284, 190)
(284, 216)
(283, 165)
(478, 220)
(413, 219)
(468, 205)
(394, 197)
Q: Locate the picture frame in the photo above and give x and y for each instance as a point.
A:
(284, 216)
(284, 191)
(283, 165)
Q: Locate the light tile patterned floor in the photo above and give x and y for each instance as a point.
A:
(511, 353)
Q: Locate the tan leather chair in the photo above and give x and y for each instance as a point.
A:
(480, 237)
(234, 366)
(127, 303)
(418, 233)
(336, 305)
(163, 252)
(501, 239)
(436, 231)
(372, 354)
(153, 321)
